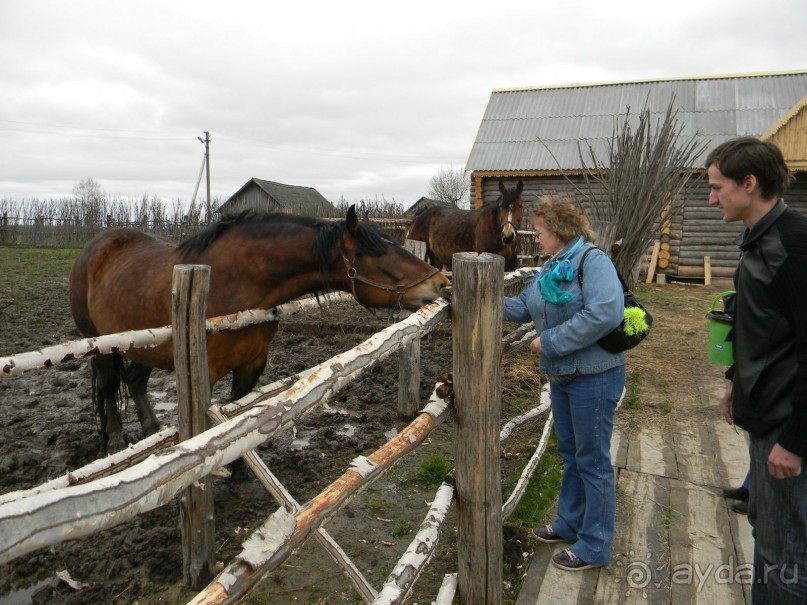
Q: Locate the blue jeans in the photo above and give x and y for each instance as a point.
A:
(584, 419)
(777, 510)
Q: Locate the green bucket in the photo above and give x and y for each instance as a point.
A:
(720, 349)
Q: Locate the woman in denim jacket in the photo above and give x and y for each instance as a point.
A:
(586, 381)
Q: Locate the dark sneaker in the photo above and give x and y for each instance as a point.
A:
(740, 507)
(569, 561)
(736, 493)
(548, 535)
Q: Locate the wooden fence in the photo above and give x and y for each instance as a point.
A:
(175, 462)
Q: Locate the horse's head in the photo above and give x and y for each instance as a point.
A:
(510, 210)
(381, 272)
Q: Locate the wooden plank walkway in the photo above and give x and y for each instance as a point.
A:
(677, 540)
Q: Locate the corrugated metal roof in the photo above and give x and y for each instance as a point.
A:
(711, 108)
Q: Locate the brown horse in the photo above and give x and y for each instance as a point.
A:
(491, 228)
(122, 281)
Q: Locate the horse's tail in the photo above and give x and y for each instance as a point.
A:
(120, 394)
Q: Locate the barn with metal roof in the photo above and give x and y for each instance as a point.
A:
(536, 134)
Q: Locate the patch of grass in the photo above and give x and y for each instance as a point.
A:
(632, 383)
(379, 503)
(667, 519)
(432, 471)
(541, 492)
(402, 528)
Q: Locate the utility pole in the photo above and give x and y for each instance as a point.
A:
(206, 142)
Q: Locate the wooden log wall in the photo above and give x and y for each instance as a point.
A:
(695, 233)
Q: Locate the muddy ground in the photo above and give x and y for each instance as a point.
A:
(48, 429)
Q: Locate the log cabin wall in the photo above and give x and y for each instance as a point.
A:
(696, 232)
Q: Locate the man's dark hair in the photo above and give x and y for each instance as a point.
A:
(737, 158)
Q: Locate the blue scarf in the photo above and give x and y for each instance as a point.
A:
(560, 270)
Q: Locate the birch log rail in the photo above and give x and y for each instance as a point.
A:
(153, 337)
(60, 514)
(60, 510)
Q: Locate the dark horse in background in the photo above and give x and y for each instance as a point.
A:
(122, 280)
(491, 228)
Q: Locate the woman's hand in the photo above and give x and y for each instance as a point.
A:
(535, 346)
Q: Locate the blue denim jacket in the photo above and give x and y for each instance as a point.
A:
(569, 332)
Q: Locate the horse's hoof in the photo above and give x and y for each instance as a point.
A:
(115, 445)
(150, 429)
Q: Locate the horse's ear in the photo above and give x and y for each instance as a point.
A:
(352, 220)
(520, 186)
(502, 189)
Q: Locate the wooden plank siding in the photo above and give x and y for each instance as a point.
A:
(695, 232)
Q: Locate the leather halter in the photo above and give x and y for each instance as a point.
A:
(502, 225)
(354, 276)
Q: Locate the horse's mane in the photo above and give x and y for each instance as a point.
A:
(329, 233)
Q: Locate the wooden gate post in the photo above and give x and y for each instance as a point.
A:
(189, 297)
(477, 311)
(409, 358)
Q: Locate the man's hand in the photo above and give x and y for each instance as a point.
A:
(535, 346)
(783, 464)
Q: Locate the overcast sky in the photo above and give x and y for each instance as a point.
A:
(366, 100)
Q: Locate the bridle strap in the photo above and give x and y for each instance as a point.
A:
(401, 289)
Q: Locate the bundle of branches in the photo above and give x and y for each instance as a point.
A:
(643, 183)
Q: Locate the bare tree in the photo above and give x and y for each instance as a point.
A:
(450, 185)
(90, 199)
(644, 182)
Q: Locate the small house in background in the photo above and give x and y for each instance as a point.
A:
(268, 196)
(424, 203)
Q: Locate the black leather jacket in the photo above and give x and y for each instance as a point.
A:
(770, 329)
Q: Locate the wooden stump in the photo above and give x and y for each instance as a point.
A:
(189, 298)
(477, 311)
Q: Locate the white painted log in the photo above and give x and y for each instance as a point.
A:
(283, 532)
(520, 274)
(416, 325)
(154, 337)
(507, 429)
(282, 496)
(447, 590)
(102, 466)
(509, 506)
(518, 338)
(420, 550)
(36, 521)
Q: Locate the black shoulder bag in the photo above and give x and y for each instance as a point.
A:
(635, 324)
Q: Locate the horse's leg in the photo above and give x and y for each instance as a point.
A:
(511, 262)
(106, 374)
(432, 258)
(245, 377)
(136, 376)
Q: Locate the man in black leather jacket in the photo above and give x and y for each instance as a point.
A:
(767, 395)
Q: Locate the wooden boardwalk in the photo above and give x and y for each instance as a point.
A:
(677, 540)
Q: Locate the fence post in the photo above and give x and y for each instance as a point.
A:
(409, 358)
(477, 311)
(189, 297)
